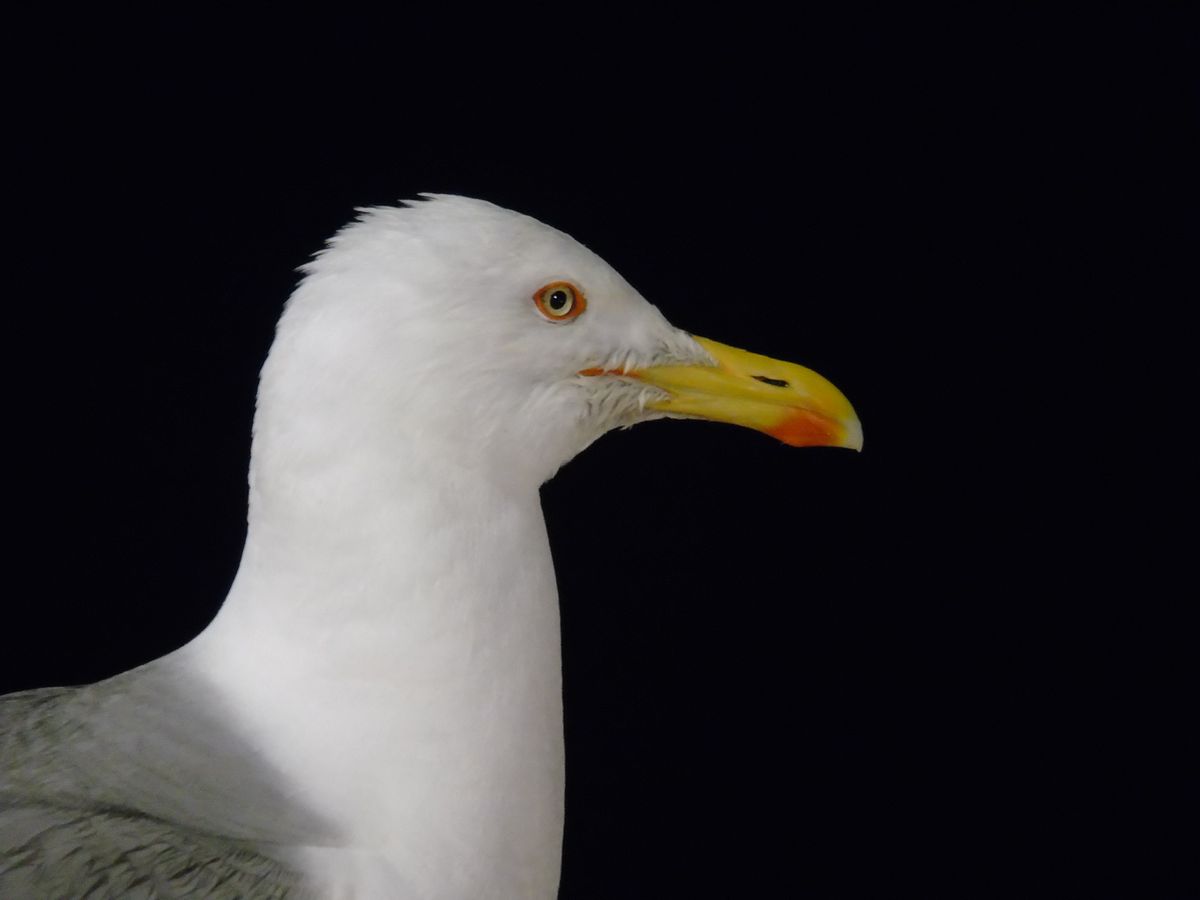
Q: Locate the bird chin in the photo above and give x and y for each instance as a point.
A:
(617, 402)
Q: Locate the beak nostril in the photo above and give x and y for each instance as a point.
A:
(778, 382)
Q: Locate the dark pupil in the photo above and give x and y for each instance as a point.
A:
(558, 300)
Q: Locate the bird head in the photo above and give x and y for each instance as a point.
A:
(493, 339)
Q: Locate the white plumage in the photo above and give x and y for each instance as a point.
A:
(376, 710)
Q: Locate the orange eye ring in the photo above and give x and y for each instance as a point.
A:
(560, 301)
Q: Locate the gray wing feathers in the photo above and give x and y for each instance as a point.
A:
(50, 853)
(140, 786)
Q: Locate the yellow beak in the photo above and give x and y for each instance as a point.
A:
(782, 399)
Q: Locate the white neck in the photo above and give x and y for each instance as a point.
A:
(414, 701)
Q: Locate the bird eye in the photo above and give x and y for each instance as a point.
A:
(560, 301)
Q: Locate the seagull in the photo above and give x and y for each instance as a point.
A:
(376, 710)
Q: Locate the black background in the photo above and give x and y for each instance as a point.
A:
(947, 664)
